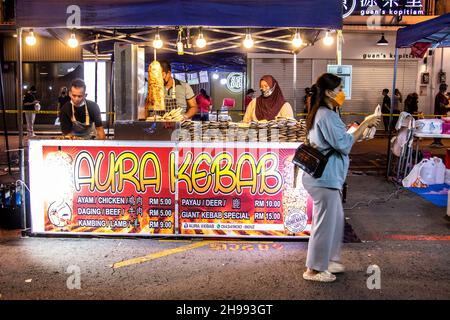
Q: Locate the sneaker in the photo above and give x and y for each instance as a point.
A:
(336, 267)
(324, 276)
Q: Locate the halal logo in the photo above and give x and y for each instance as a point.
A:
(348, 7)
(235, 82)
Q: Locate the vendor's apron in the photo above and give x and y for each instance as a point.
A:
(171, 99)
(83, 130)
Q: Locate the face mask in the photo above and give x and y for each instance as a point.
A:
(339, 98)
(268, 92)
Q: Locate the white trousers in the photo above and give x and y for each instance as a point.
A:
(327, 232)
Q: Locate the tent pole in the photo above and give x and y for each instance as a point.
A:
(96, 70)
(19, 94)
(2, 101)
(389, 153)
(294, 84)
(339, 48)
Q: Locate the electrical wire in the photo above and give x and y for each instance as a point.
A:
(377, 200)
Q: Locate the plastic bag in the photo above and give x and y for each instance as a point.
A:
(37, 106)
(413, 179)
(369, 133)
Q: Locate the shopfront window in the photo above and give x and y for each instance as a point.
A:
(89, 79)
(49, 78)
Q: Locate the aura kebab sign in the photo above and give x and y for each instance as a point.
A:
(383, 7)
(234, 190)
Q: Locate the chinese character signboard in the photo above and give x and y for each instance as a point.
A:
(383, 7)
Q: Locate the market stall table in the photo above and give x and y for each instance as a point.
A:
(419, 136)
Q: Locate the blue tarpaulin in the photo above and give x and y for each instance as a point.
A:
(324, 14)
(435, 31)
(436, 194)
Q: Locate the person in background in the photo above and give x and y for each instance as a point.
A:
(204, 103)
(270, 104)
(178, 94)
(30, 104)
(326, 131)
(62, 100)
(398, 100)
(81, 117)
(249, 96)
(412, 104)
(63, 97)
(441, 107)
(386, 108)
(307, 100)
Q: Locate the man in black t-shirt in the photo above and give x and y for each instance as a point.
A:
(81, 117)
(386, 109)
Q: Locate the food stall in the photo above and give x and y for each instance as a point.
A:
(162, 177)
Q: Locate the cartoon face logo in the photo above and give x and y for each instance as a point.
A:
(59, 214)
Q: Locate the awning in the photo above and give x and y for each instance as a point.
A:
(323, 14)
(435, 32)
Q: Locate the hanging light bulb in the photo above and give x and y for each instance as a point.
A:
(200, 42)
(30, 39)
(215, 75)
(328, 40)
(73, 41)
(157, 43)
(180, 45)
(223, 81)
(297, 40)
(248, 41)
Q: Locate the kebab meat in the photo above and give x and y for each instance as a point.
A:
(155, 95)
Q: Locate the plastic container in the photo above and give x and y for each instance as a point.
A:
(429, 126)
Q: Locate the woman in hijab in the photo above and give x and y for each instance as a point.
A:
(270, 104)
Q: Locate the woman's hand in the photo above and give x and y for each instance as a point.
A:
(372, 121)
(369, 122)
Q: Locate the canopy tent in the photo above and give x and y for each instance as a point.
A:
(434, 33)
(224, 13)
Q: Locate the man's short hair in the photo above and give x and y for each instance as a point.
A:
(78, 83)
(385, 90)
(443, 87)
(165, 65)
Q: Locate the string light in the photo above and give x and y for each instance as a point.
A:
(248, 41)
(30, 39)
(328, 40)
(200, 42)
(73, 41)
(297, 41)
(157, 43)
